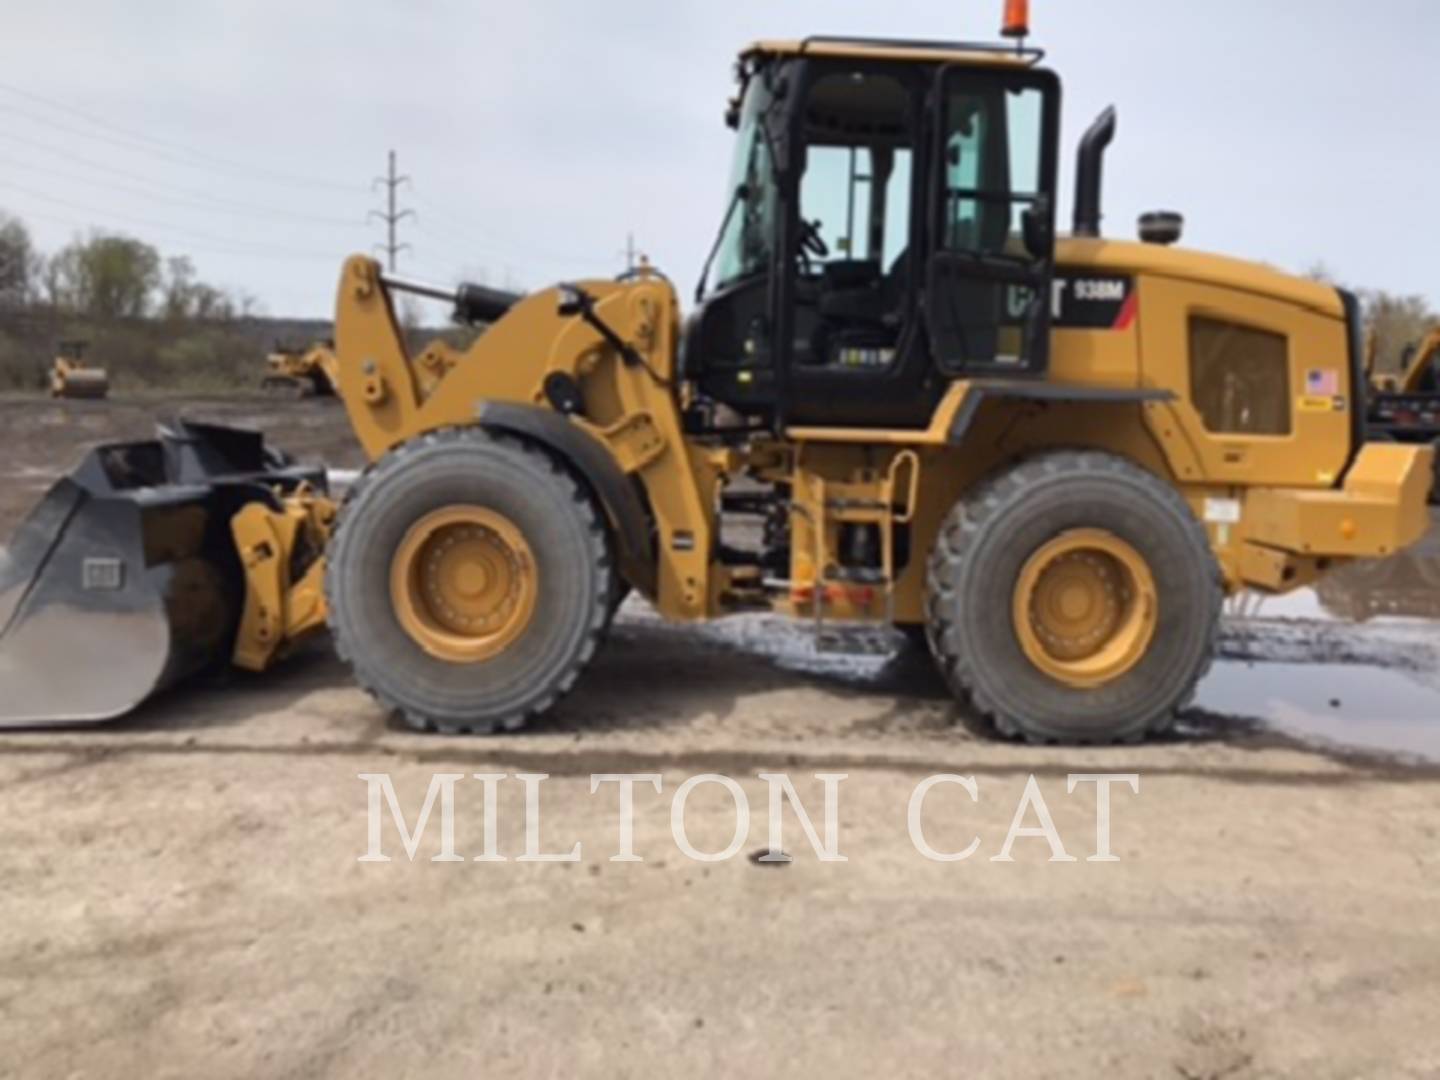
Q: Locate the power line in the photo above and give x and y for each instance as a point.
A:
(485, 236)
(237, 247)
(202, 200)
(510, 253)
(192, 249)
(189, 197)
(158, 147)
(390, 215)
(486, 240)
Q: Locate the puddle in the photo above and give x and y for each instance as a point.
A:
(1355, 705)
(1352, 705)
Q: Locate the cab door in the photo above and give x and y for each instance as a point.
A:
(992, 258)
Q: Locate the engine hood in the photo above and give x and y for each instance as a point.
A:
(1123, 256)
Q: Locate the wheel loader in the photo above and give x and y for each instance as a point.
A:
(301, 373)
(71, 377)
(1420, 364)
(901, 400)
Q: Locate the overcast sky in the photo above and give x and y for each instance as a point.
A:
(246, 134)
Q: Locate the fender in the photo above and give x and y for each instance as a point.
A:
(981, 392)
(635, 548)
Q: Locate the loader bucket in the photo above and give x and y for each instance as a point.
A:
(124, 579)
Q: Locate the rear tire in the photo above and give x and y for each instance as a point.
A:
(567, 589)
(980, 571)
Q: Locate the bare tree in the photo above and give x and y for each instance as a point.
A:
(1397, 322)
(183, 296)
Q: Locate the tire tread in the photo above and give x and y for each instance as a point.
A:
(960, 536)
(557, 683)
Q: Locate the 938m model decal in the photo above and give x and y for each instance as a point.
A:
(1093, 301)
(1081, 301)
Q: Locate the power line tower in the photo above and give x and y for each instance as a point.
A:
(632, 255)
(391, 215)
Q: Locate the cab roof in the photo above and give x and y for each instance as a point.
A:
(915, 52)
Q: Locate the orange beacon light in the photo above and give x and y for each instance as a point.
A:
(1017, 19)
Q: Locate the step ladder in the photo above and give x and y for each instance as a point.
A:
(895, 506)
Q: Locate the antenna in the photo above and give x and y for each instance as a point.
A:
(631, 253)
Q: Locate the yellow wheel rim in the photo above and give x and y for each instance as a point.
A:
(1086, 608)
(463, 582)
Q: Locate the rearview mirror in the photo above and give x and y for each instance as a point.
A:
(1036, 229)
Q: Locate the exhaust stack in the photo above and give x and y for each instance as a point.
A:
(1089, 173)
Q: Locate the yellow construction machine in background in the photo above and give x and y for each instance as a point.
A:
(1405, 408)
(1421, 374)
(301, 373)
(901, 401)
(71, 377)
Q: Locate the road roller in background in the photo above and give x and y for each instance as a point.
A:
(902, 401)
(71, 377)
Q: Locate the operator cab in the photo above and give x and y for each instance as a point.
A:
(890, 228)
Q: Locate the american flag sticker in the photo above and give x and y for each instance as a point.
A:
(1323, 383)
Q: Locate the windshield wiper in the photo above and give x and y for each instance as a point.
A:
(742, 192)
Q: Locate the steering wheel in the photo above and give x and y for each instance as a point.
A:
(812, 244)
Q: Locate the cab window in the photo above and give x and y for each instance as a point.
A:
(861, 197)
(992, 166)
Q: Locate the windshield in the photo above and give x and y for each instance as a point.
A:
(745, 245)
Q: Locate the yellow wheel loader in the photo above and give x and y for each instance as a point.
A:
(900, 401)
(71, 377)
(1421, 374)
(301, 373)
(1405, 408)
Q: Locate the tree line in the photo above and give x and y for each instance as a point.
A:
(108, 276)
(105, 286)
(147, 317)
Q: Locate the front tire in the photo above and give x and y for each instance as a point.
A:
(1074, 598)
(468, 581)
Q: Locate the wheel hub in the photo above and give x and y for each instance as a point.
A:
(463, 582)
(1085, 608)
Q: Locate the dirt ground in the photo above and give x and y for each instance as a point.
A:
(42, 439)
(181, 893)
